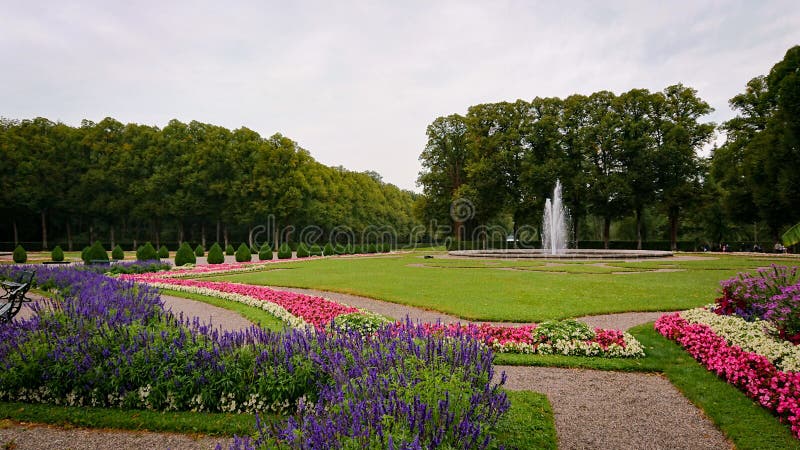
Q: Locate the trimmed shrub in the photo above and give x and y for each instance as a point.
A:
(185, 255)
(56, 255)
(146, 252)
(199, 250)
(386, 248)
(85, 254)
(302, 251)
(163, 252)
(315, 250)
(352, 249)
(328, 250)
(285, 251)
(215, 255)
(117, 254)
(229, 250)
(97, 252)
(372, 249)
(340, 249)
(243, 254)
(20, 255)
(265, 254)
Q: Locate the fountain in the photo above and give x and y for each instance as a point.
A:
(555, 223)
(555, 226)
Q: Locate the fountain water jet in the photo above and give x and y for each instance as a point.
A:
(555, 223)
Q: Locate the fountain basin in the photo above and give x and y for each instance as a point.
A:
(585, 254)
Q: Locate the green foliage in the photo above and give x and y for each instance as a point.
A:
(528, 424)
(117, 253)
(352, 249)
(371, 248)
(243, 253)
(146, 252)
(215, 255)
(340, 249)
(563, 330)
(328, 250)
(20, 255)
(362, 322)
(163, 252)
(199, 250)
(792, 236)
(315, 250)
(285, 251)
(85, 254)
(302, 251)
(229, 250)
(185, 255)
(57, 254)
(265, 254)
(386, 248)
(97, 252)
(254, 250)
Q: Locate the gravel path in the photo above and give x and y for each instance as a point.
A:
(614, 410)
(218, 317)
(22, 436)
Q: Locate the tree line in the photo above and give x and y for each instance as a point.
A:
(186, 181)
(623, 157)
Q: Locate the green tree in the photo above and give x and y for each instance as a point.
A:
(185, 255)
(243, 253)
(215, 255)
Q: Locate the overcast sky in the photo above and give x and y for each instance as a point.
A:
(356, 83)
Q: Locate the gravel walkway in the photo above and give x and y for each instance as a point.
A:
(613, 410)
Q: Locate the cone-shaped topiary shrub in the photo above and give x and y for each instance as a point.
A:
(20, 255)
(185, 255)
(315, 250)
(97, 252)
(57, 254)
(328, 250)
(163, 252)
(215, 255)
(117, 254)
(285, 251)
(243, 254)
(229, 250)
(85, 254)
(302, 251)
(265, 253)
(372, 249)
(146, 253)
(199, 250)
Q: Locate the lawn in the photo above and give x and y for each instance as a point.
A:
(518, 291)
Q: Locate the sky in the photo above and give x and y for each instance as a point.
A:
(357, 82)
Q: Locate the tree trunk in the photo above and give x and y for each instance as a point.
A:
(638, 228)
(111, 229)
(203, 234)
(575, 223)
(225, 235)
(218, 227)
(673, 230)
(44, 229)
(606, 231)
(275, 237)
(157, 233)
(180, 233)
(16, 234)
(69, 236)
(91, 233)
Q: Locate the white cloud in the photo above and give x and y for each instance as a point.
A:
(356, 82)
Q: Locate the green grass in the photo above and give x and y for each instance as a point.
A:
(84, 416)
(477, 289)
(256, 315)
(528, 424)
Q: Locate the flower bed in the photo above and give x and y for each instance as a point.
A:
(754, 374)
(109, 343)
(567, 337)
(316, 311)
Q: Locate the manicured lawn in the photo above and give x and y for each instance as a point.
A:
(519, 291)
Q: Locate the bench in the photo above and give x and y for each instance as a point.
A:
(14, 295)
